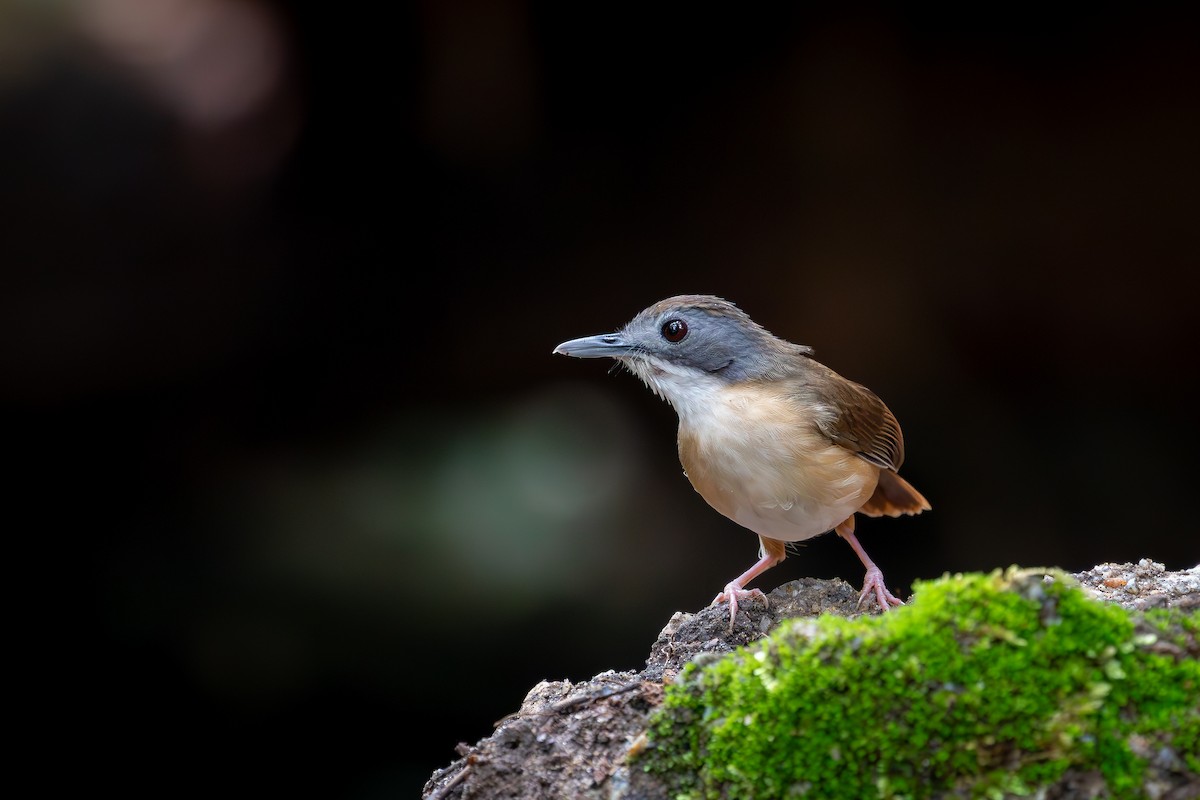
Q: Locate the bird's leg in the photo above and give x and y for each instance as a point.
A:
(874, 580)
(771, 552)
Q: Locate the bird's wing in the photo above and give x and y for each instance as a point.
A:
(859, 421)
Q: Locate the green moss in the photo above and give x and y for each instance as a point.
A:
(984, 685)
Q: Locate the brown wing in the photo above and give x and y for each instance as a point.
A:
(860, 422)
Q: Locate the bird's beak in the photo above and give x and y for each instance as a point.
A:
(606, 345)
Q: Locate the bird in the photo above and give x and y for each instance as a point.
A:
(768, 436)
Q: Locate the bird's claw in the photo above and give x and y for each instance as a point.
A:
(874, 583)
(732, 593)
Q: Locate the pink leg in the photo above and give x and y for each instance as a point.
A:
(771, 552)
(874, 579)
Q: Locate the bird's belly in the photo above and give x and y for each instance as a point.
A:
(795, 523)
(778, 482)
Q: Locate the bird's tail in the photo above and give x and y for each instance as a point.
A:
(894, 496)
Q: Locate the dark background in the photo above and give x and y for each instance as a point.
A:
(302, 499)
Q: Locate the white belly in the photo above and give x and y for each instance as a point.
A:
(752, 462)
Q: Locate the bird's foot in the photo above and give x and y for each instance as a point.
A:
(874, 583)
(733, 593)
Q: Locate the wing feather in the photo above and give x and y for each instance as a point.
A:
(858, 420)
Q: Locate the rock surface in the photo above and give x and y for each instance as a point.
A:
(570, 740)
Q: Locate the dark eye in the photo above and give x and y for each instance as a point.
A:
(673, 330)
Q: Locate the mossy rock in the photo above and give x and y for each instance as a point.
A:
(983, 686)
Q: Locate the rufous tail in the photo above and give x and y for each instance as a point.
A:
(894, 496)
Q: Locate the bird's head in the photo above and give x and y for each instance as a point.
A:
(687, 346)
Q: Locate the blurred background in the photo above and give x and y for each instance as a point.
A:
(301, 497)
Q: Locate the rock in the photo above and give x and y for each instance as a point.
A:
(574, 740)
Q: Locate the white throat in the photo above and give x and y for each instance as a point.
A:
(691, 392)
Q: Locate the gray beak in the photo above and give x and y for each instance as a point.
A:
(606, 345)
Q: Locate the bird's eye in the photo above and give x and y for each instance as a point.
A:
(673, 330)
